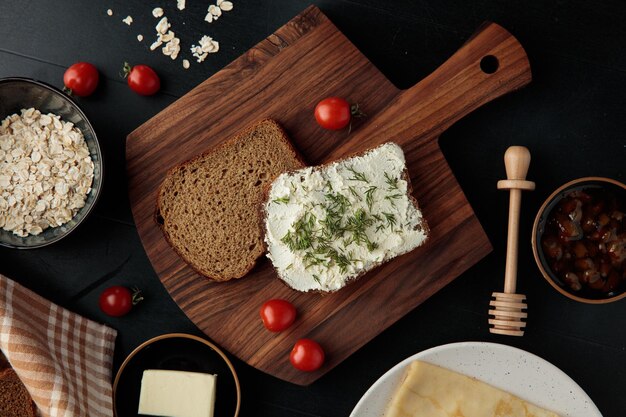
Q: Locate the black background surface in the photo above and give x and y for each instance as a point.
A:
(571, 117)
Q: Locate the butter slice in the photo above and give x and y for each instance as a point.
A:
(431, 391)
(177, 393)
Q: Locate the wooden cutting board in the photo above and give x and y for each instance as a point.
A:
(283, 77)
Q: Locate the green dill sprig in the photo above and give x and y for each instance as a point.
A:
(353, 192)
(390, 219)
(309, 259)
(338, 202)
(358, 176)
(303, 233)
(391, 182)
(331, 225)
(393, 197)
(334, 257)
(369, 196)
(281, 200)
(357, 224)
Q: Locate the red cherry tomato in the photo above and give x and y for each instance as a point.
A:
(117, 301)
(333, 113)
(307, 355)
(81, 79)
(277, 314)
(142, 79)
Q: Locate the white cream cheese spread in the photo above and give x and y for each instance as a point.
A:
(327, 225)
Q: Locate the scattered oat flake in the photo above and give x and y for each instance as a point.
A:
(155, 45)
(172, 48)
(206, 46)
(163, 26)
(128, 20)
(215, 10)
(226, 6)
(157, 12)
(110, 12)
(140, 38)
(185, 64)
(180, 4)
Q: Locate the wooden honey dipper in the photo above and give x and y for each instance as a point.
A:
(508, 308)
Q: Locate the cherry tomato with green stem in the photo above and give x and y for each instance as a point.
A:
(335, 113)
(117, 301)
(142, 79)
(81, 79)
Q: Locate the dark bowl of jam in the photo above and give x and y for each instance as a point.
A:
(579, 240)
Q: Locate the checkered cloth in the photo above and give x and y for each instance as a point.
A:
(63, 359)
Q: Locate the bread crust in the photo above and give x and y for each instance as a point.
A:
(10, 374)
(405, 176)
(159, 220)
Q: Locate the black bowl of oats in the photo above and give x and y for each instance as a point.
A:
(51, 167)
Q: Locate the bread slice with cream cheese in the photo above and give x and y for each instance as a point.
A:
(325, 226)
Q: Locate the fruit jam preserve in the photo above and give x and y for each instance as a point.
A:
(584, 241)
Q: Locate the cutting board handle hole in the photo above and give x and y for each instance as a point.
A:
(489, 64)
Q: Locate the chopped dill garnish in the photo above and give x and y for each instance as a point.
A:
(335, 258)
(317, 279)
(358, 176)
(357, 224)
(302, 235)
(323, 241)
(391, 182)
(369, 196)
(393, 197)
(371, 245)
(390, 219)
(338, 202)
(310, 260)
(331, 225)
(281, 200)
(354, 193)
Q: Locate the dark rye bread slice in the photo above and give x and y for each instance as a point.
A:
(208, 207)
(14, 398)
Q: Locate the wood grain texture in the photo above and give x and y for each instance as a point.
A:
(283, 77)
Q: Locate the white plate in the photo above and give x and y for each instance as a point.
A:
(516, 371)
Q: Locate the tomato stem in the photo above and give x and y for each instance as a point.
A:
(125, 70)
(355, 111)
(137, 296)
(67, 90)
